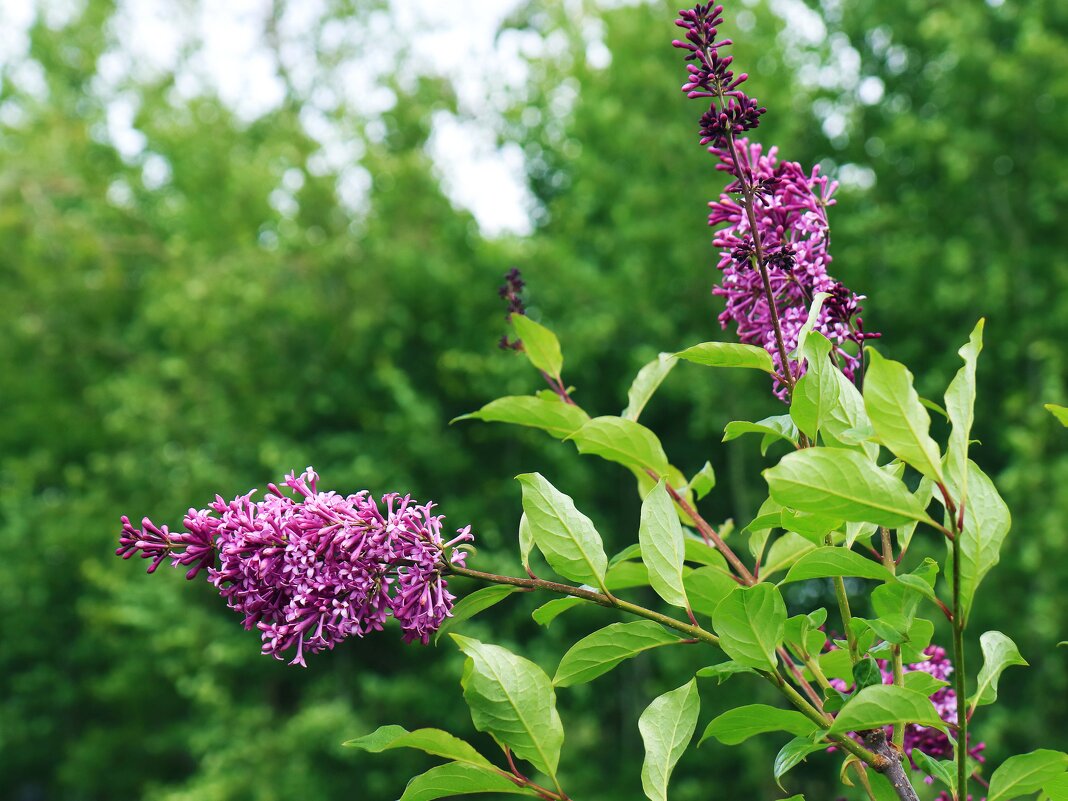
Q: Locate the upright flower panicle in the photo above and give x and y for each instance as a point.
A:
(774, 237)
(791, 222)
(309, 571)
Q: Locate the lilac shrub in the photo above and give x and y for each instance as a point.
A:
(861, 479)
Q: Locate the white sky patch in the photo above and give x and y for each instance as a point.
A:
(129, 141)
(460, 43)
(479, 176)
(856, 176)
(221, 47)
(870, 90)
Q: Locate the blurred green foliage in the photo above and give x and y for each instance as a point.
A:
(164, 341)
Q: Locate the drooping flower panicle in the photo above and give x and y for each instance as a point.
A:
(772, 216)
(309, 571)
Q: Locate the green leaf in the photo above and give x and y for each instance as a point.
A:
(943, 771)
(1027, 773)
(833, 700)
(706, 587)
(847, 424)
(553, 416)
(701, 553)
(881, 787)
(728, 354)
(916, 641)
(673, 477)
(632, 551)
(784, 552)
(661, 539)
(471, 605)
(526, 541)
(837, 664)
(751, 623)
(704, 481)
(566, 537)
(666, 726)
(923, 683)
(960, 408)
(920, 582)
(777, 427)
(723, 671)
(1060, 412)
(816, 393)
(810, 323)
(859, 531)
(540, 344)
(1057, 788)
(999, 653)
(884, 704)
(924, 493)
(934, 407)
(893, 629)
(792, 754)
(803, 632)
(738, 725)
(512, 699)
(433, 741)
(548, 612)
(456, 778)
(766, 521)
(769, 516)
(866, 673)
(835, 561)
(842, 483)
(813, 527)
(649, 378)
(900, 421)
(625, 575)
(601, 651)
(894, 599)
(622, 441)
(986, 524)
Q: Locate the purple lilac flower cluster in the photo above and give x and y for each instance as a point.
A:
(312, 570)
(779, 226)
(929, 740)
(791, 222)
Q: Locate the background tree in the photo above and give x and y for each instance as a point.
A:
(211, 312)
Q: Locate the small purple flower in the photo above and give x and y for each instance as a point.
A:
(312, 570)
